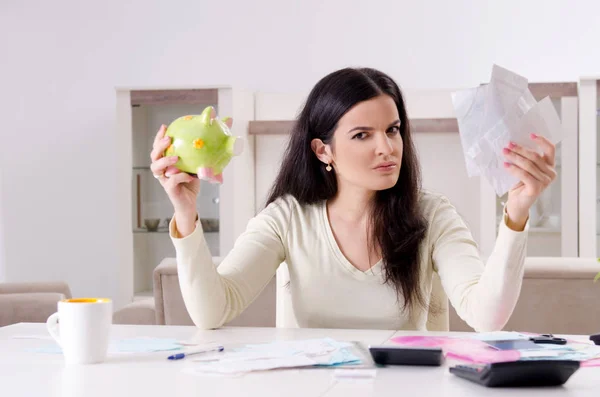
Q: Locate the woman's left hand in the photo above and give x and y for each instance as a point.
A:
(535, 173)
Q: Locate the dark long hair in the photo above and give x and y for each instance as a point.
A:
(397, 224)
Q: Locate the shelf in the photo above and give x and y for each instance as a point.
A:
(166, 230)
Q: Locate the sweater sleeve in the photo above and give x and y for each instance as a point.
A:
(483, 295)
(215, 295)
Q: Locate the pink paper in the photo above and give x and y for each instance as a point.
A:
(470, 350)
(595, 362)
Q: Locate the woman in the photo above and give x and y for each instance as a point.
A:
(348, 216)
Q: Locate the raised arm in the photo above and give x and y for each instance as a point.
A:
(216, 295)
(484, 295)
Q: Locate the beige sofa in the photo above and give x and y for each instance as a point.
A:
(167, 306)
(34, 302)
(558, 296)
(30, 302)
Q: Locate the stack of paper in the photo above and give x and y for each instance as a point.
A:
(280, 354)
(473, 348)
(492, 115)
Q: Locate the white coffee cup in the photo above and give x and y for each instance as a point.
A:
(82, 329)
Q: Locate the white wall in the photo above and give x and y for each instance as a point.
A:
(61, 62)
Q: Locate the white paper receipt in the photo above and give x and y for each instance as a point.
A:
(492, 115)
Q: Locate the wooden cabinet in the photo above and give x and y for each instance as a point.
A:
(145, 207)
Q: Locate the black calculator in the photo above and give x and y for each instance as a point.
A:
(518, 373)
(407, 355)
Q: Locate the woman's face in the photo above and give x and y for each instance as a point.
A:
(366, 150)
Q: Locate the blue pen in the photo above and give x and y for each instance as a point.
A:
(179, 356)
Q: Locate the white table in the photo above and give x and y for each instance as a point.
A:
(24, 373)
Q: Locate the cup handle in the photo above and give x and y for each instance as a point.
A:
(52, 326)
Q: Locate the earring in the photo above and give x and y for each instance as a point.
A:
(328, 168)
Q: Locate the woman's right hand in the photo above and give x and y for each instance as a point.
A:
(181, 187)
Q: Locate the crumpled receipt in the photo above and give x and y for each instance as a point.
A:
(491, 115)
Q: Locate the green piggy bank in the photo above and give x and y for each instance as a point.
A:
(204, 144)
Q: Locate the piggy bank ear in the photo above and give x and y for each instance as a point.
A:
(207, 116)
(228, 121)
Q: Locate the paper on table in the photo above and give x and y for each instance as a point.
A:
(135, 345)
(309, 346)
(538, 354)
(240, 366)
(497, 335)
(464, 349)
(280, 354)
(572, 351)
(490, 116)
(325, 351)
(475, 350)
(244, 356)
(145, 345)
